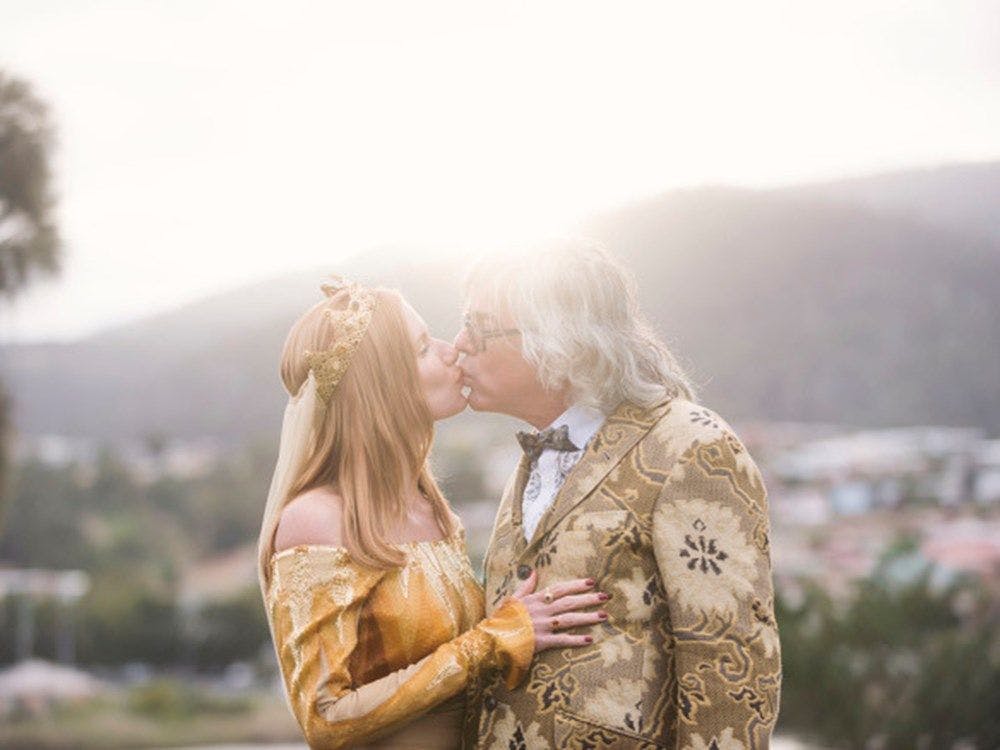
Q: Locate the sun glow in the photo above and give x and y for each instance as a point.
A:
(207, 144)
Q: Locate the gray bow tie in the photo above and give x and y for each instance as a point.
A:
(554, 438)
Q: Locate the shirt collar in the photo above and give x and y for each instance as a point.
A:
(583, 422)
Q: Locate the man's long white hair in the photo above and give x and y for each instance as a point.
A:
(581, 327)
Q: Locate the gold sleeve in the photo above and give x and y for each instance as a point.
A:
(711, 541)
(316, 631)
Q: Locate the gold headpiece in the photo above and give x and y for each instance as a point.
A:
(351, 323)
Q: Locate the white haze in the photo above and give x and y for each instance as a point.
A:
(206, 144)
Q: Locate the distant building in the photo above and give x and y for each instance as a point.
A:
(147, 460)
(866, 471)
(852, 498)
(35, 686)
(965, 545)
(55, 450)
(986, 486)
(31, 585)
(800, 506)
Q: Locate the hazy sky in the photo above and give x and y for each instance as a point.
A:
(205, 144)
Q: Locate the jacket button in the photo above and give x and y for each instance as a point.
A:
(523, 571)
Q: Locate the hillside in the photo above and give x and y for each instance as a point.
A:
(960, 197)
(790, 304)
(803, 308)
(209, 368)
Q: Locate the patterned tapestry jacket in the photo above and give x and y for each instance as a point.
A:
(668, 513)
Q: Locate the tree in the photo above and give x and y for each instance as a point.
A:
(905, 661)
(29, 240)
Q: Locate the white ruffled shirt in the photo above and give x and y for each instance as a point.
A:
(548, 473)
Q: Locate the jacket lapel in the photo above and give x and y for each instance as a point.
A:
(617, 436)
(515, 493)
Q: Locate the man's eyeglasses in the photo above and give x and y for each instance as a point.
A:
(480, 329)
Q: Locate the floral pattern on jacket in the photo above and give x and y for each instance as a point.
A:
(668, 513)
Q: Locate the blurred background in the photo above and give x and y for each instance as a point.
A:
(808, 194)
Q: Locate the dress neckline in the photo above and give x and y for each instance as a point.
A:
(418, 544)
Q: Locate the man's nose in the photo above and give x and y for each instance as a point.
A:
(462, 342)
(449, 354)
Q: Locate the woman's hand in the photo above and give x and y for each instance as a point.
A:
(561, 611)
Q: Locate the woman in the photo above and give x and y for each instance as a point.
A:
(375, 612)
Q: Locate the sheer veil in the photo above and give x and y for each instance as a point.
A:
(296, 440)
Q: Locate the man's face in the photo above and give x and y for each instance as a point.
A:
(497, 375)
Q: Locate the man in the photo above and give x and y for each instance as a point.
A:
(626, 480)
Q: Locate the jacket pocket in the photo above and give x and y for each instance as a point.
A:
(573, 731)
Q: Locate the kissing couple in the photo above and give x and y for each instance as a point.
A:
(627, 600)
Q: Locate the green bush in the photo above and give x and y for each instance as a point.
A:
(231, 630)
(899, 664)
(123, 620)
(167, 699)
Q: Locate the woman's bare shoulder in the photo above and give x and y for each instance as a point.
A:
(314, 517)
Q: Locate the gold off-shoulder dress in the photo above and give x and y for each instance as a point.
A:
(381, 658)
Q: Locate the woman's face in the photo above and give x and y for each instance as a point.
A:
(440, 377)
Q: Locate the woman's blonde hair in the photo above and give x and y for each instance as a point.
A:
(374, 438)
(577, 309)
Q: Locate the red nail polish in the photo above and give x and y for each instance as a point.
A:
(603, 597)
(603, 615)
(590, 581)
(588, 639)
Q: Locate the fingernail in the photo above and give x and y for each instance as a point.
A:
(588, 639)
(604, 597)
(603, 615)
(589, 581)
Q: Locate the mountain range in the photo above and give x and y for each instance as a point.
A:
(867, 302)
